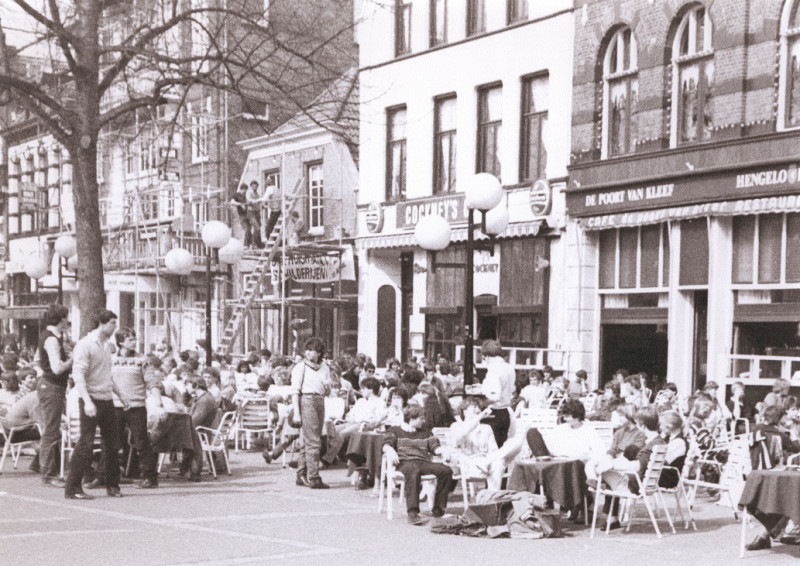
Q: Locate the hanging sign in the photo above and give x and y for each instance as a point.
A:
(540, 198)
(374, 217)
(317, 269)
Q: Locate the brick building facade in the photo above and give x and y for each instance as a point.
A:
(684, 188)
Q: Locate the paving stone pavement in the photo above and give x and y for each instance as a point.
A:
(258, 516)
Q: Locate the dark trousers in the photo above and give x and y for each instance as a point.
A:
(248, 235)
(773, 522)
(413, 470)
(106, 419)
(254, 217)
(536, 443)
(500, 422)
(271, 221)
(122, 442)
(136, 418)
(52, 400)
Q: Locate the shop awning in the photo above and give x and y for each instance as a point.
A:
(23, 313)
(406, 239)
(759, 205)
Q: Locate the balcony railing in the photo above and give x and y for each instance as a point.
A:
(130, 254)
(759, 370)
(524, 358)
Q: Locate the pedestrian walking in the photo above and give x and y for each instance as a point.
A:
(52, 391)
(91, 372)
(311, 383)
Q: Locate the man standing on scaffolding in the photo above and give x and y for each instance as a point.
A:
(239, 203)
(254, 201)
(272, 196)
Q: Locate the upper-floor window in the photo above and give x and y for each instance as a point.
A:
(444, 151)
(316, 221)
(789, 93)
(438, 19)
(476, 17)
(620, 94)
(402, 27)
(634, 258)
(516, 10)
(533, 154)
(766, 249)
(396, 154)
(693, 78)
(199, 119)
(490, 125)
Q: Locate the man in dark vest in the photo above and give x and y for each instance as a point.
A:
(52, 390)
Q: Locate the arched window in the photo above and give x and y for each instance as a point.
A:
(620, 94)
(693, 78)
(789, 93)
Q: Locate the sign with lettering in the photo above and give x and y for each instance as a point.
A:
(695, 189)
(374, 217)
(450, 207)
(487, 272)
(317, 269)
(540, 198)
(774, 204)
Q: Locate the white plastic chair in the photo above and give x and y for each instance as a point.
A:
(254, 418)
(648, 487)
(215, 440)
(391, 478)
(15, 438)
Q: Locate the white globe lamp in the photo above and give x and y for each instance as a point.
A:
(72, 263)
(36, 267)
(66, 246)
(482, 192)
(232, 252)
(496, 220)
(432, 233)
(179, 261)
(216, 234)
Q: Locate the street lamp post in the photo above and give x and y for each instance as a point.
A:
(483, 192)
(215, 235)
(66, 247)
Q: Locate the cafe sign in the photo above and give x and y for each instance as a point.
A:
(450, 207)
(540, 198)
(688, 190)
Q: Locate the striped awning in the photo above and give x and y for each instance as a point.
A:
(407, 240)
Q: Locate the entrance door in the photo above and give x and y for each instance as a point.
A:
(127, 306)
(636, 348)
(699, 363)
(406, 302)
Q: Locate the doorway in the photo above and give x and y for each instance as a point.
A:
(636, 348)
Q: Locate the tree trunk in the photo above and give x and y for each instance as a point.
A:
(91, 291)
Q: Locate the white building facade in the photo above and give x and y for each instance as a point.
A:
(450, 89)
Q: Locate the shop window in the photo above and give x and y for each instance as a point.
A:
(402, 28)
(620, 94)
(438, 25)
(490, 124)
(634, 258)
(442, 334)
(533, 153)
(766, 249)
(396, 154)
(693, 78)
(522, 331)
(444, 151)
(694, 252)
(789, 92)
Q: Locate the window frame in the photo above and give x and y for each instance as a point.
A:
(402, 28)
(701, 58)
(391, 143)
(614, 75)
(484, 125)
(199, 130)
(516, 11)
(525, 124)
(755, 274)
(664, 255)
(789, 39)
(316, 202)
(436, 23)
(438, 156)
(476, 17)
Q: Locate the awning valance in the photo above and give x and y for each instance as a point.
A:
(406, 239)
(741, 207)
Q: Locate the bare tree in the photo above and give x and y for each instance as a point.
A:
(106, 60)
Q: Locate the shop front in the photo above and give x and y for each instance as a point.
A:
(698, 275)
